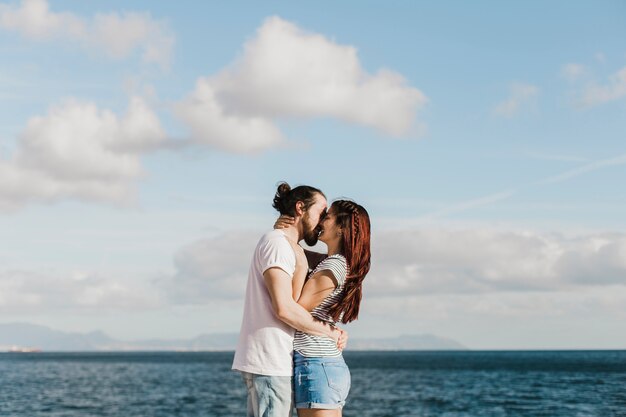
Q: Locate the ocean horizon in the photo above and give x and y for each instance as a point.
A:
(550, 383)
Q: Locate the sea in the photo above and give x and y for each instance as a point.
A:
(416, 383)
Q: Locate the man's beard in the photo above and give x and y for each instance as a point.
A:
(310, 232)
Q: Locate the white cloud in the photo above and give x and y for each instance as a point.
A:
(614, 89)
(118, 35)
(79, 151)
(435, 280)
(285, 72)
(599, 259)
(33, 19)
(520, 95)
(210, 269)
(472, 261)
(425, 261)
(211, 125)
(36, 291)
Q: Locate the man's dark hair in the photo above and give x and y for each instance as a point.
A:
(285, 199)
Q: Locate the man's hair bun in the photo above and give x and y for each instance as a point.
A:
(282, 195)
(285, 199)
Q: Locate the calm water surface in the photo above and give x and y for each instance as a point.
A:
(442, 384)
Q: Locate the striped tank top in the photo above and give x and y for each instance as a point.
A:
(317, 346)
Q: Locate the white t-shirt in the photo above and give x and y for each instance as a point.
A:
(265, 344)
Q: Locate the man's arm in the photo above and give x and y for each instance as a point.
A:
(278, 283)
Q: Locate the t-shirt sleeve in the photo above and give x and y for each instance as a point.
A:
(335, 265)
(276, 252)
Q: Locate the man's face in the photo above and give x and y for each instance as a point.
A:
(311, 220)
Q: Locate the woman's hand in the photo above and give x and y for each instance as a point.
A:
(340, 337)
(343, 339)
(284, 222)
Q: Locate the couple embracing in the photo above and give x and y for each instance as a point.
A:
(290, 349)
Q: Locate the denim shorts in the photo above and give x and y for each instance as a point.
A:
(320, 382)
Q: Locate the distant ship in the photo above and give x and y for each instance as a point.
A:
(17, 349)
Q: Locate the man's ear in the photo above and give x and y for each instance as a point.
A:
(299, 208)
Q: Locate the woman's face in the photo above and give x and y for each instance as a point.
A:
(330, 231)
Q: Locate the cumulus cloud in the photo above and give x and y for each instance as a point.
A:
(425, 261)
(286, 72)
(486, 261)
(29, 291)
(438, 275)
(211, 125)
(118, 35)
(79, 151)
(209, 269)
(520, 95)
(595, 260)
(614, 89)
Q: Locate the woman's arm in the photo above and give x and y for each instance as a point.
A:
(316, 288)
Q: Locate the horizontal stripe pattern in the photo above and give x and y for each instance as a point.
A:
(316, 346)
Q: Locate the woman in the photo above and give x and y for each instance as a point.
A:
(332, 293)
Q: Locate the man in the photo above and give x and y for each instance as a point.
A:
(265, 349)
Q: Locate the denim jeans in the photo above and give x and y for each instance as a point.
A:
(320, 382)
(269, 396)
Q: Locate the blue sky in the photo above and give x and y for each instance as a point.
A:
(140, 145)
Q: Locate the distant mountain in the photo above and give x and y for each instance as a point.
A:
(30, 336)
(24, 335)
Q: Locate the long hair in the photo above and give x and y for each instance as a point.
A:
(286, 198)
(355, 224)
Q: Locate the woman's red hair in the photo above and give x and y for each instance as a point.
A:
(355, 224)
